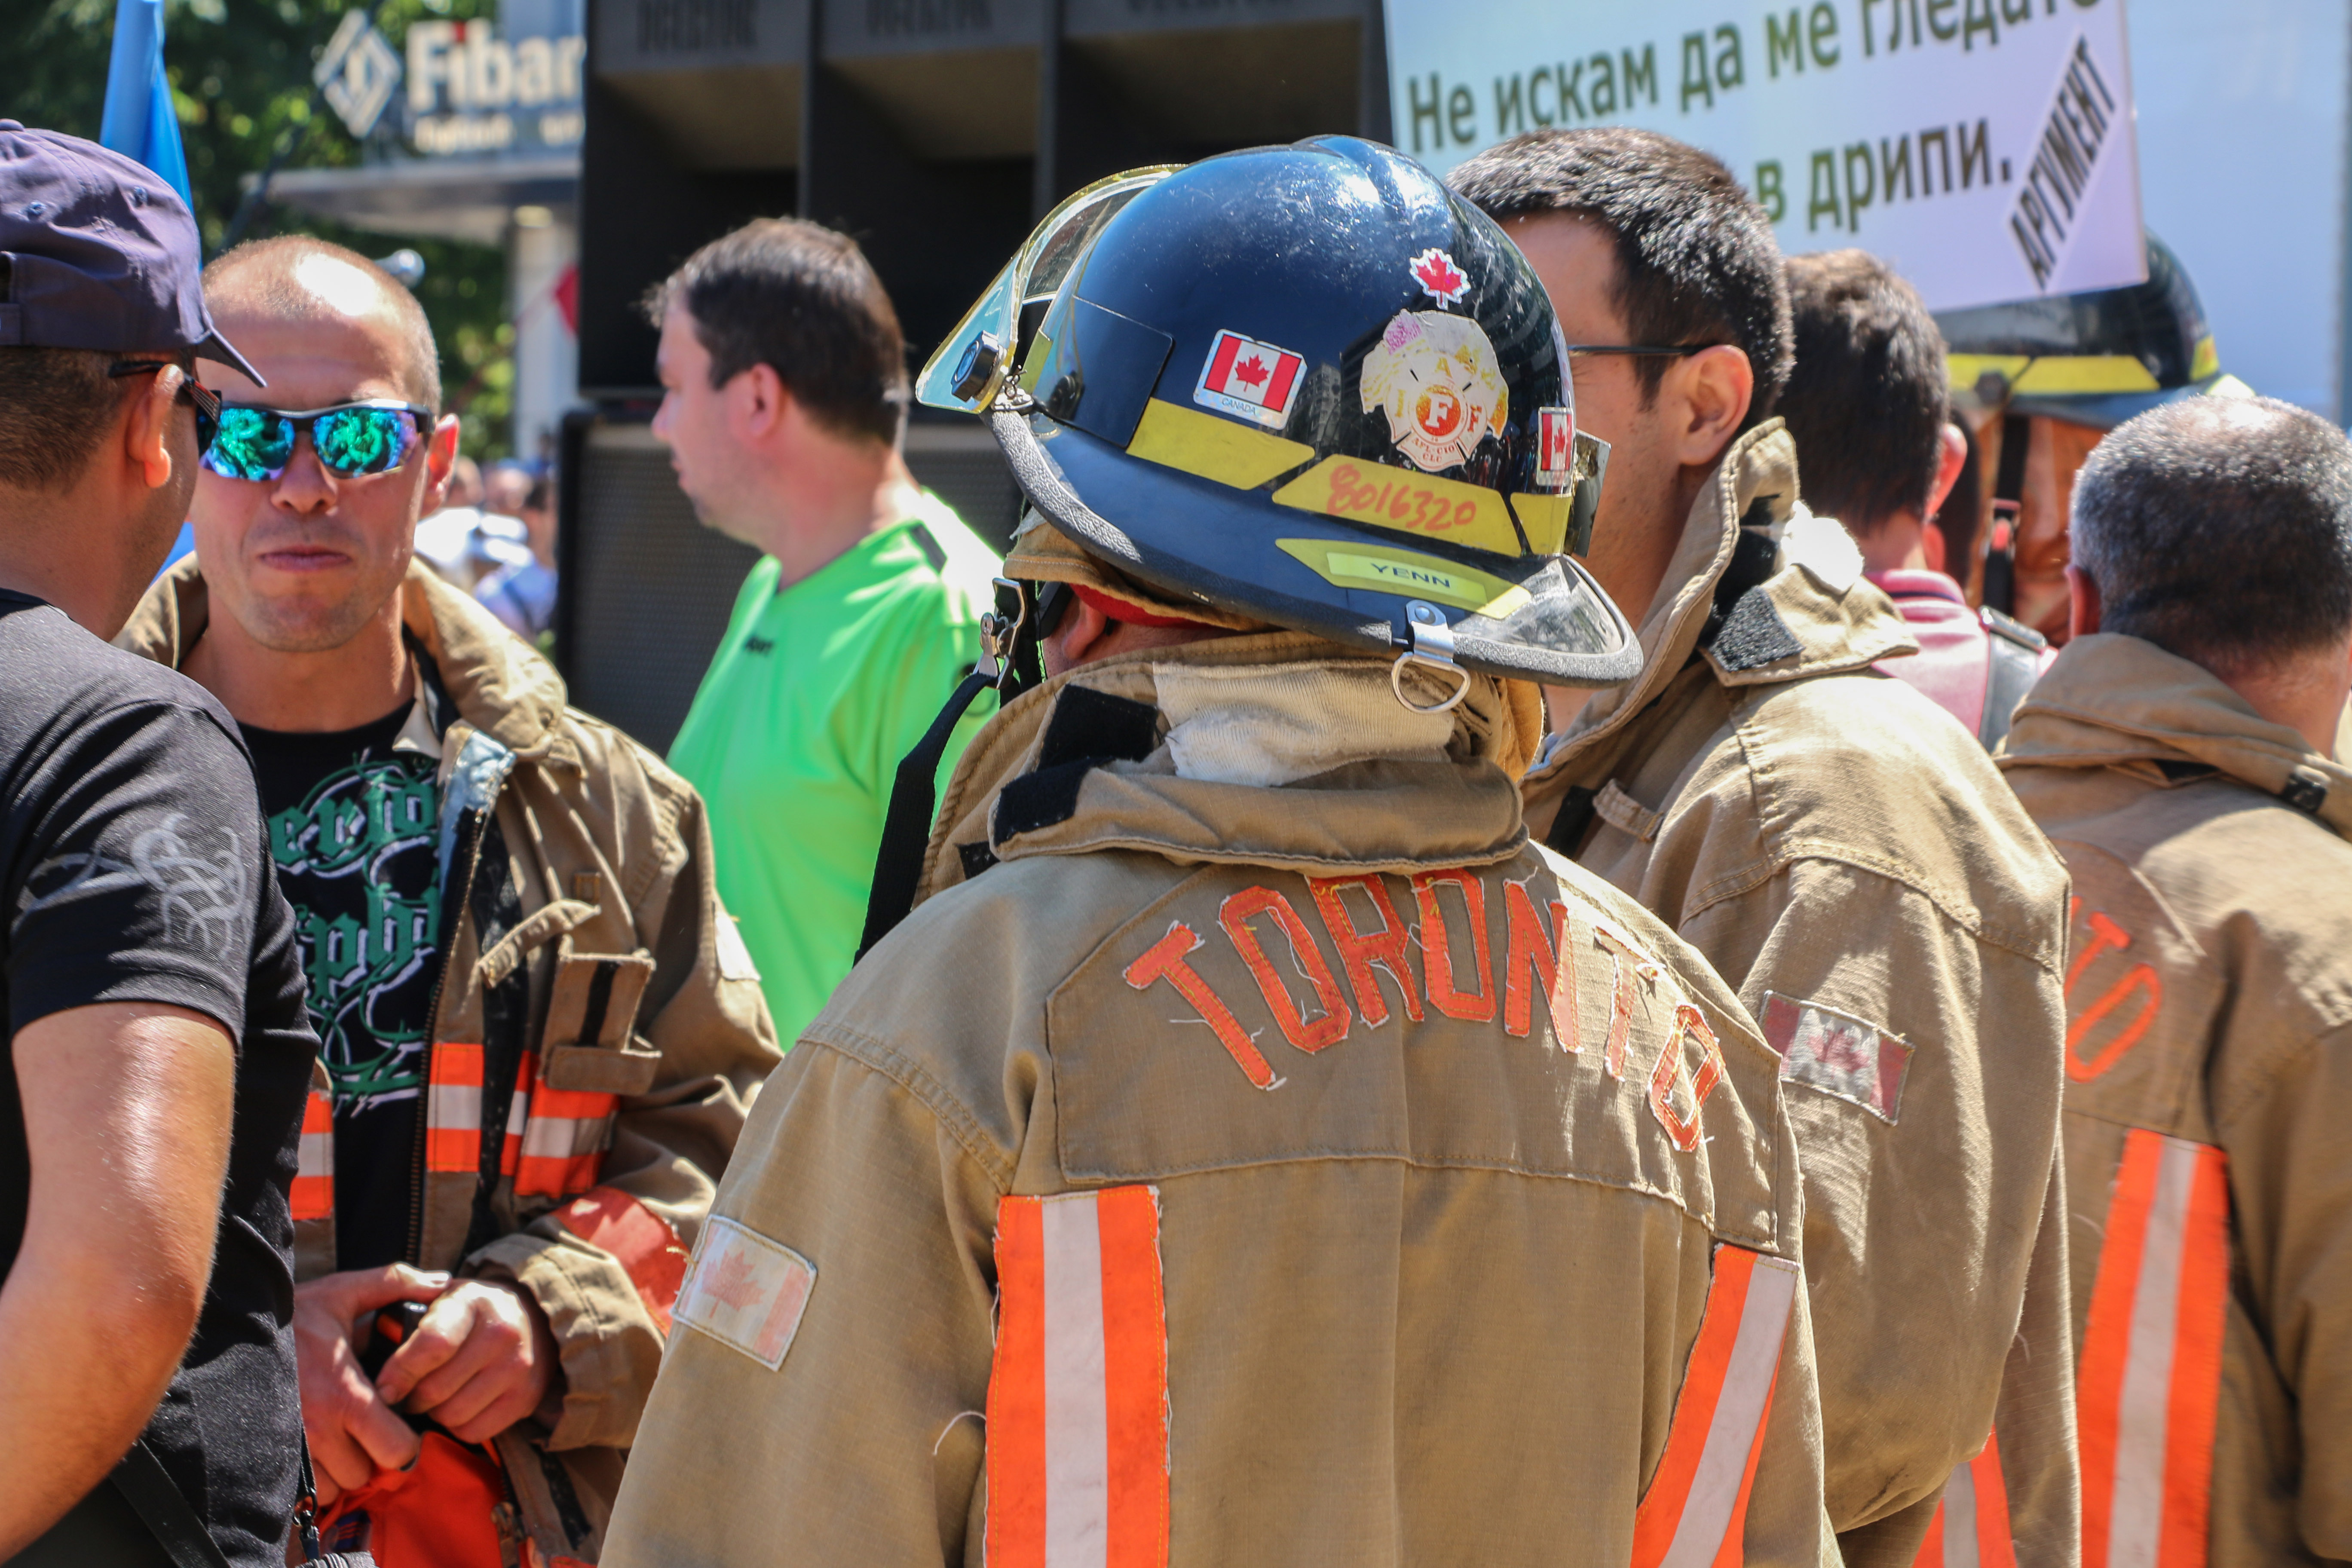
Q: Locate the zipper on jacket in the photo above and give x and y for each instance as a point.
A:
(455, 912)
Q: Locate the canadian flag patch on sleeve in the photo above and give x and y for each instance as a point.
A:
(1843, 1057)
(746, 1291)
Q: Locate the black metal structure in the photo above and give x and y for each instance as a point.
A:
(935, 131)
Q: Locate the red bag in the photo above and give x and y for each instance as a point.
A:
(437, 1513)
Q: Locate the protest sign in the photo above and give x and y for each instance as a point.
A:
(1983, 147)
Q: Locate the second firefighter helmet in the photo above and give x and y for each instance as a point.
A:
(1307, 386)
(2095, 358)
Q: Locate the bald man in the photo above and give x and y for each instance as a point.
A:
(539, 1030)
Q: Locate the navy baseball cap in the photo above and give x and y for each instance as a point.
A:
(103, 254)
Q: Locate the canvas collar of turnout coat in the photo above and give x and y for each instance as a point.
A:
(2209, 1066)
(1848, 859)
(569, 1146)
(1248, 1055)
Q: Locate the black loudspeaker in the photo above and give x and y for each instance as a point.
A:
(646, 589)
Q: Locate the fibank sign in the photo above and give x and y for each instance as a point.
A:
(470, 87)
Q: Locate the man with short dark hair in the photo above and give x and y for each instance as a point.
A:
(537, 1033)
(156, 1050)
(1840, 851)
(2179, 752)
(786, 388)
(1868, 407)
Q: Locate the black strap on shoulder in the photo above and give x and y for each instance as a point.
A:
(152, 1493)
(906, 825)
(2008, 510)
(1568, 829)
(2014, 662)
(1754, 557)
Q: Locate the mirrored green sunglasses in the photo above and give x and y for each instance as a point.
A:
(352, 439)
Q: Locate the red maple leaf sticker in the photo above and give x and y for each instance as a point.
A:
(732, 1284)
(1436, 272)
(1250, 371)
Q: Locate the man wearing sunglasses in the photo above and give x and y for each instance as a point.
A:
(153, 1081)
(537, 1031)
(1838, 846)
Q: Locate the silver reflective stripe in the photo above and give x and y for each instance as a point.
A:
(1078, 1415)
(1740, 1409)
(2136, 1520)
(1960, 1520)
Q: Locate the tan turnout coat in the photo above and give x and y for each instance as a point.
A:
(1229, 1156)
(611, 857)
(1846, 856)
(2209, 1095)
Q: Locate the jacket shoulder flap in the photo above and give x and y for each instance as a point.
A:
(1512, 1017)
(1861, 769)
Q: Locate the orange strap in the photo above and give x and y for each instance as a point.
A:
(644, 1243)
(2148, 1386)
(314, 1159)
(1970, 1527)
(1694, 1514)
(1077, 1398)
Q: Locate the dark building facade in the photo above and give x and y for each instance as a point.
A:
(935, 131)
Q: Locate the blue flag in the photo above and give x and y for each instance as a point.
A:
(140, 122)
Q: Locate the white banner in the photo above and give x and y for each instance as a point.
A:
(1983, 147)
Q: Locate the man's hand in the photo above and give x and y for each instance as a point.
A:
(354, 1432)
(481, 1361)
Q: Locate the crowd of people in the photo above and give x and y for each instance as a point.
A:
(1485, 944)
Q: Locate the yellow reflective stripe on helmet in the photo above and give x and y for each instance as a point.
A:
(1408, 572)
(1356, 489)
(1545, 518)
(2206, 361)
(2053, 375)
(1215, 449)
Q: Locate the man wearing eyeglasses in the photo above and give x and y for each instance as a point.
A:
(1836, 846)
(156, 1053)
(538, 1029)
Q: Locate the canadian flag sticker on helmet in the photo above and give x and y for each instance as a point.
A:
(1434, 376)
(1555, 447)
(1249, 379)
(1439, 277)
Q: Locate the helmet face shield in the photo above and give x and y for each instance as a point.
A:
(973, 364)
(1310, 385)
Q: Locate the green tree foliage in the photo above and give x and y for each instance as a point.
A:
(240, 74)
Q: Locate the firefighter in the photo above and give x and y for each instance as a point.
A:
(2179, 752)
(2039, 383)
(1840, 849)
(1252, 1148)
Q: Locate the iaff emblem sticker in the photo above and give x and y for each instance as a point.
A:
(1249, 379)
(1555, 447)
(1434, 376)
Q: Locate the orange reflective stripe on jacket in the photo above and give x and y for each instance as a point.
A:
(517, 1114)
(1077, 1397)
(2150, 1378)
(563, 1141)
(1695, 1509)
(314, 1159)
(453, 1107)
(1971, 1529)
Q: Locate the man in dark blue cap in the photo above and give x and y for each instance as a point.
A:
(158, 1054)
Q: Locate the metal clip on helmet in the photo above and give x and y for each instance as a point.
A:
(2095, 359)
(1310, 385)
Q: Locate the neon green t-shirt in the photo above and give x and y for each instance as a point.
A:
(794, 737)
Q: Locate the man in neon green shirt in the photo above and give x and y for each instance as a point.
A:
(785, 388)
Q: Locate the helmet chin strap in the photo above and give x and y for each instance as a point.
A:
(1009, 661)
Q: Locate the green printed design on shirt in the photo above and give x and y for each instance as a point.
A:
(357, 859)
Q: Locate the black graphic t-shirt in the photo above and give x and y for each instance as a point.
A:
(131, 869)
(354, 827)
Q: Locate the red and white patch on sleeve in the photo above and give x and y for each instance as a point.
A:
(1843, 1057)
(746, 1291)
